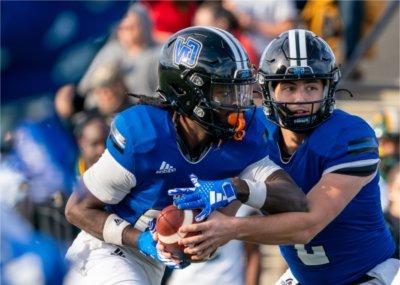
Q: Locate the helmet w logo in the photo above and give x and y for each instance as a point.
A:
(186, 52)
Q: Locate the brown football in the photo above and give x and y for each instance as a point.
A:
(167, 226)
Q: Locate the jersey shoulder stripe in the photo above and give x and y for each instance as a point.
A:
(362, 145)
(361, 167)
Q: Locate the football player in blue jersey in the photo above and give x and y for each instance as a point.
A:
(332, 156)
(203, 129)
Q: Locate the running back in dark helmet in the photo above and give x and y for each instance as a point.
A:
(297, 55)
(197, 61)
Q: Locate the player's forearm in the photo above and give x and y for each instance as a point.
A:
(326, 201)
(86, 216)
(92, 220)
(286, 228)
(130, 236)
(283, 195)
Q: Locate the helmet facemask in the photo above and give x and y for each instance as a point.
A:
(280, 111)
(221, 109)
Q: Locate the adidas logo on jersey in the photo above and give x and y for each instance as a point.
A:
(118, 252)
(118, 221)
(165, 168)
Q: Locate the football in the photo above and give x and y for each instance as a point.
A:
(167, 226)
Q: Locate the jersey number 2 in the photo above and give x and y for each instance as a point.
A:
(317, 257)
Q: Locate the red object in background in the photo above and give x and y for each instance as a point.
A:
(248, 47)
(170, 16)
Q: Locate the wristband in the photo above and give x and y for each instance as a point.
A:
(257, 194)
(113, 228)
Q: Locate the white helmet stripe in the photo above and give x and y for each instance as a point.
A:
(303, 47)
(238, 46)
(292, 48)
(239, 55)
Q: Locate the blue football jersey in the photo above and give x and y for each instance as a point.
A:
(357, 239)
(143, 140)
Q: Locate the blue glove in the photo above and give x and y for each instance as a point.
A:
(206, 195)
(147, 246)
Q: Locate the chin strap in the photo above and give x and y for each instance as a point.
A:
(237, 120)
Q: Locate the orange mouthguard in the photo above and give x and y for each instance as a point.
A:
(238, 120)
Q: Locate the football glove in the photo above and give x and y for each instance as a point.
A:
(147, 246)
(206, 195)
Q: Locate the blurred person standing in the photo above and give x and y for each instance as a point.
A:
(264, 20)
(107, 92)
(91, 135)
(133, 50)
(213, 14)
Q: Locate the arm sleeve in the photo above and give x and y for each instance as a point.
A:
(259, 170)
(354, 152)
(108, 180)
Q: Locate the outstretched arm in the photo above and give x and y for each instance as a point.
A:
(282, 194)
(326, 200)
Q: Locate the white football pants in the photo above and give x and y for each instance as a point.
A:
(96, 262)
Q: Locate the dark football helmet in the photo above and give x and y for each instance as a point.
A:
(205, 74)
(298, 55)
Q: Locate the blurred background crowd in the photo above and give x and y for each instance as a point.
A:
(68, 67)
